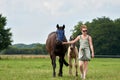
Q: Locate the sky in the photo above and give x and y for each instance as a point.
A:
(32, 20)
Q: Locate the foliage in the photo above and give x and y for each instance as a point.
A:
(5, 34)
(105, 34)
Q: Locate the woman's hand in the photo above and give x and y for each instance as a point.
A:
(64, 42)
(92, 55)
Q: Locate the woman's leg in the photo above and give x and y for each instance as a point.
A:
(85, 68)
(81, 68)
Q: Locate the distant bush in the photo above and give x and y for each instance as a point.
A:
(14, 49)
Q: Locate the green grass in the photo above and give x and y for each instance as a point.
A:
(41, 69)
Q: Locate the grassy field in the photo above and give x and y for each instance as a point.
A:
(41, 69)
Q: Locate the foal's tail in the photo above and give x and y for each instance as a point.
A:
(65, 63)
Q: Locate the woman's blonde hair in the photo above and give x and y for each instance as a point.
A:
(83, 26)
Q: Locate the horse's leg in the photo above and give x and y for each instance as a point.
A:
(53, 58)
(61, 66)
(64, 61)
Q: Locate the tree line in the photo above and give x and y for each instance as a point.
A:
(19, 49)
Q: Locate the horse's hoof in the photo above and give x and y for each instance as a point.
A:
(54, 75)
(70, 74)
(76, 74)
(60, 75)
(67, 64)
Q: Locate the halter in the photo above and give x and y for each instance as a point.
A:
(60, 35)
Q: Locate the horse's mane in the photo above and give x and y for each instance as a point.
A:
(52, 33)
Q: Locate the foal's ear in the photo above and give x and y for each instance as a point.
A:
(63, 26)
(57, 26)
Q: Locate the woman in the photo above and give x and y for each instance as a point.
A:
(84, 50)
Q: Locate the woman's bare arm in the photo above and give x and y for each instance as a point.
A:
(91, 46)
(73, 41)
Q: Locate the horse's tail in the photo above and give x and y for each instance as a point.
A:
(65, 63)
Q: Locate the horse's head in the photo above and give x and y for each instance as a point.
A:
(60, 32)
(72, 46)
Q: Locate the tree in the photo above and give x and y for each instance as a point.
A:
(102, 31)
(5, 34)
(105, 33)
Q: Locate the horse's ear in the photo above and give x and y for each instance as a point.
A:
(63, 26)
(57, 26)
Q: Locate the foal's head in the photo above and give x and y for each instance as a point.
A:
(72, 46)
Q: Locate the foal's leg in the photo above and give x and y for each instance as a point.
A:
(76, 61)
(70, 61)
(70, 65)
(53, 58)
(76, 67)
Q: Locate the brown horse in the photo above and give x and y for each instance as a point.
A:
(55, 48)
(73, 54)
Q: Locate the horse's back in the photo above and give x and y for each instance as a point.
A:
(50, 42)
